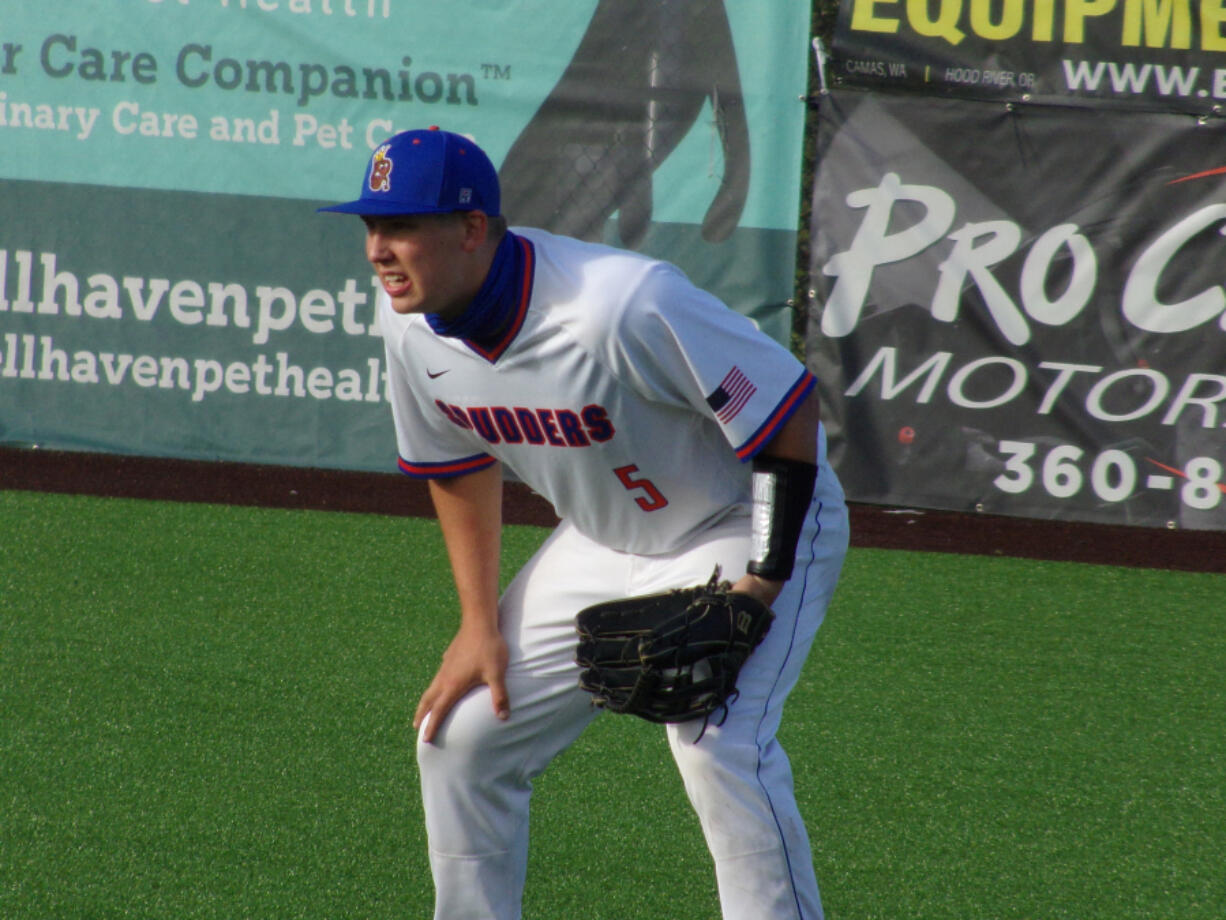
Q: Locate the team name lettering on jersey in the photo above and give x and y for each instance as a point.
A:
(540, 427)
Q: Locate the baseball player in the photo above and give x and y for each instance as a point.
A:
(649, 414)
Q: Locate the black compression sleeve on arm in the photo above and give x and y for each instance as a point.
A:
(782, 490)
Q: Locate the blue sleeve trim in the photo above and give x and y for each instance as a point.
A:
(787, 406)
(445, 469)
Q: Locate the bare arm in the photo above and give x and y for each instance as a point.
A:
(796, 440)
(469, 511)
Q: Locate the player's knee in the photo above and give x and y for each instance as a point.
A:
(717, 764)
(463, 741)
(739, 797)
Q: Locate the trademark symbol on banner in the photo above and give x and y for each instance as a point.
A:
(496, 71)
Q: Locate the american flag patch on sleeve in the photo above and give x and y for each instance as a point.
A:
(730, 397)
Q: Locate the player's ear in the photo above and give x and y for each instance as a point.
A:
(476, 229)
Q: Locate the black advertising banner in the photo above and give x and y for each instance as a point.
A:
(1169, 54)
(1022, 310)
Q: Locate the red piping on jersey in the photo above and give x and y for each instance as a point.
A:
(445, 469)
(781, 414)
(521, 311)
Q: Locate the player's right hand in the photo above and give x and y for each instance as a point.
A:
(475, 657)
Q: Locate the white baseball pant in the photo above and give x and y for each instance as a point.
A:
(477, 775)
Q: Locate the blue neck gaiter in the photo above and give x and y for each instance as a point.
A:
(490, 311)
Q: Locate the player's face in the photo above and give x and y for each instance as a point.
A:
(423, 261)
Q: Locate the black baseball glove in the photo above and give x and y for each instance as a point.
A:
(669, 657)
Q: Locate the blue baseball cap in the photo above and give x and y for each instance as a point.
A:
(426, 172)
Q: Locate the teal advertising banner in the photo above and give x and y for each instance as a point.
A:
(166, 287)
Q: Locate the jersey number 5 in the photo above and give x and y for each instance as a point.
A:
(653, 501)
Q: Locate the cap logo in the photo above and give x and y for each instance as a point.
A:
(466, 195)
(381, 170)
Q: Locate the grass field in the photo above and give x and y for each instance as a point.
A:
(204, 714)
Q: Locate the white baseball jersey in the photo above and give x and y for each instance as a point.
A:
(622, 393)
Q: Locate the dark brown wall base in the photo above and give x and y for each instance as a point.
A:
(390, 493)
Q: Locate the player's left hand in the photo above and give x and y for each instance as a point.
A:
(758, 587)
(475, 657)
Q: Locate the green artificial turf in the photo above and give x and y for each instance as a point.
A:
(204, 713)
(999, 738)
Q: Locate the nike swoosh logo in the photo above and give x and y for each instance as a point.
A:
(432, 375)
